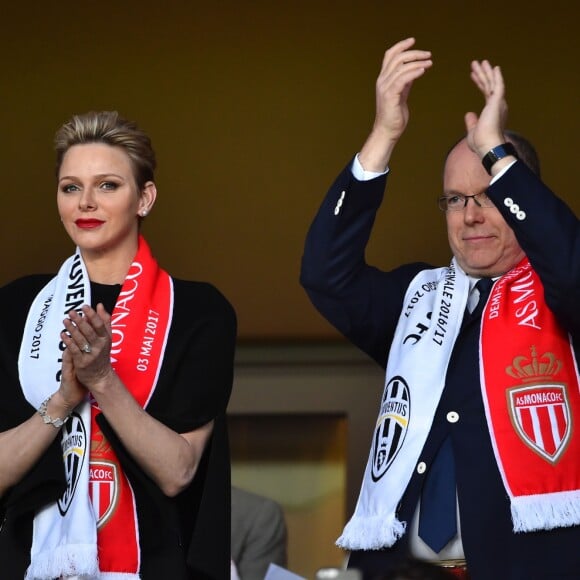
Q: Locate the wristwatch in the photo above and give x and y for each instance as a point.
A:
(497, 153)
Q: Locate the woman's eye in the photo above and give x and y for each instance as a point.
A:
(70, 188)
(109, 185)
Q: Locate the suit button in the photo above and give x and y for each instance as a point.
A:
(452, 417)
(421, 467)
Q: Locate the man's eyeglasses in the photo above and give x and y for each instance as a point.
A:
(458, 201)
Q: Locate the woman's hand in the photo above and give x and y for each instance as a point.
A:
(71, 392)
(88, 346)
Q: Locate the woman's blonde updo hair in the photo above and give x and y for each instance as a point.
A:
(109, 128)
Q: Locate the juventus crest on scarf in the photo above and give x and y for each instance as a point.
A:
(92, 530)
(530, 388)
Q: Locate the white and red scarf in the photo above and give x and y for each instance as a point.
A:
(92, 530)
(530, 387)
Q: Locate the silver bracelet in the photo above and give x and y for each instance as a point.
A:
(42, 411)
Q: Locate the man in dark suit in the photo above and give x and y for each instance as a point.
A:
(259, 535)
(480, 399)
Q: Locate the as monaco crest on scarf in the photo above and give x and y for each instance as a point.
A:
(540, 410)
(391, 426)
(103, 489)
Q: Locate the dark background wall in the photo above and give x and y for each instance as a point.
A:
(253, 107)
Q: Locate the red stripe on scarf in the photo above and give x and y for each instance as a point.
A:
(530, 385)
(139, 324)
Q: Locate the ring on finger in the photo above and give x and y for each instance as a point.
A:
(86, 348)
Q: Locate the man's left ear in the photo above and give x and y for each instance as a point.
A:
(148, 196)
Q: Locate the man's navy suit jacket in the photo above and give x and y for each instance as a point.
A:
(364, 303)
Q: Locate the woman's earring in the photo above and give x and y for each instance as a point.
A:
(143, 213)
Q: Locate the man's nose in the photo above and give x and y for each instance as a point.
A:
(473, 211)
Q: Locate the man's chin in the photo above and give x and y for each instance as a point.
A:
(480, 269)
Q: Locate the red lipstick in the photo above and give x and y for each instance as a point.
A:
(88, 224)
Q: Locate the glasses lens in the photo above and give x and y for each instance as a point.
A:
(451, 202)
(483, 200)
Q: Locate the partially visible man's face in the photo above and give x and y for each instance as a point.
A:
(480, 239)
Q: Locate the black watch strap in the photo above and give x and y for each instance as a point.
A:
(497, 153)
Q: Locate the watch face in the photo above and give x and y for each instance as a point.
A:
(500, 152)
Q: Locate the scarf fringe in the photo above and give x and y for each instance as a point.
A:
(546, 511)
(77, 560)
(371, 532)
